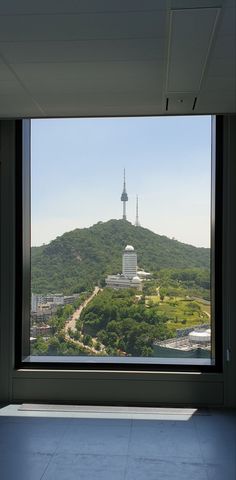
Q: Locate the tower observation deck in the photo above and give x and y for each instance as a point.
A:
(124, 198)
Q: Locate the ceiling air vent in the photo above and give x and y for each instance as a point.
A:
(191, 34)
(181, 103)
(194, 103)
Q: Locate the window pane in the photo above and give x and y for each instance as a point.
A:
(121, 239)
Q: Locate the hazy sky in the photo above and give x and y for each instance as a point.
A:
(77, 175)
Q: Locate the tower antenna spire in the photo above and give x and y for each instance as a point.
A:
(124, 198)
(137, 224)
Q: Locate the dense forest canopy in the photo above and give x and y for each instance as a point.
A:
(79, 259)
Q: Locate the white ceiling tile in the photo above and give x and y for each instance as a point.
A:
(74, 6)
(227, 24)
(104, 110)
(95, 98)
(10, 87)
(219, 84)
(230, 3)
(100, 77)
(32, 28)
(212, 102)
(188, 4)
(124, 104)
(5, 73)
(84, 50)
(224, 46)
(225, 66)
(18, 105)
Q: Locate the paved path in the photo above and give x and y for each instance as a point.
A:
(72, 325)
(72, 322)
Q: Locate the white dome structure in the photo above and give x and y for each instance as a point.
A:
(136, 279)
(129, 248)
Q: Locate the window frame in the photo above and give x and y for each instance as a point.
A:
(23, 360)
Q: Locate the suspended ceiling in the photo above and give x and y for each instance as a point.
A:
(106, 57)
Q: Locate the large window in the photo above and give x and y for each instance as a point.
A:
(122, 249)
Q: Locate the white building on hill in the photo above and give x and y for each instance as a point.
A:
(128, 278)
(129, 262)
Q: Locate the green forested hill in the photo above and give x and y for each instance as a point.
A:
(83, 257)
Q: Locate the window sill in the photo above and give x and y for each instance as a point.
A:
(123, 364)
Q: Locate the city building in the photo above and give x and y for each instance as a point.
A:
(42, 330)
(128, 278)
(195, 344)
(55, 298)
(51, 300)
(36, 301)
(39, 299)
(143, 275)
(129, 262)
(69, 299)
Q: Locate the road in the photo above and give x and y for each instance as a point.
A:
(72, 322)
(72, 325)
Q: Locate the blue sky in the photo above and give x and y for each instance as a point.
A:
(77, 175)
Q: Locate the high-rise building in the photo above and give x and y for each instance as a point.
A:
(128, 278)
(129, 262)
(124, 198)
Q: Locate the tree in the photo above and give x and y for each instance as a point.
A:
(87, 340)
(40, 347)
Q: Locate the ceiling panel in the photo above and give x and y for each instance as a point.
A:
(188, 4)
(84, 50)
(32, 28)
(18, 105)
(107, 99)
(104, 104)
(10, 87)
(219, 84)
(227, 22)
(229, 3)
(76, 110)
(224, 47)
(78, 6)
(212, 102)
(105, 77)
(5, 72)
(222, 66)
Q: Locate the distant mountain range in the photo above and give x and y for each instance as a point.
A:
(81, 258)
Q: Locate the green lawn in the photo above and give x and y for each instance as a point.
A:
(181, 313)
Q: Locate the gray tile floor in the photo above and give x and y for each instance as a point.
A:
(117, 444)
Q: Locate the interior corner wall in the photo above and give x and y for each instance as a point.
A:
(7, 255)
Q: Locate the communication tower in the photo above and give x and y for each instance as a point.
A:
(124, 198)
